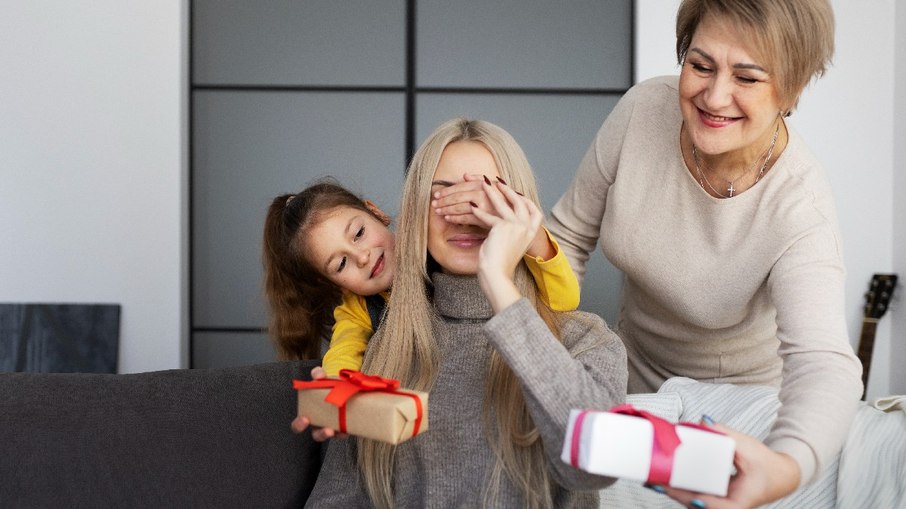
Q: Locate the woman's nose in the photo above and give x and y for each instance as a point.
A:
(719, 93)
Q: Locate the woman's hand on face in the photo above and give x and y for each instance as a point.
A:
(512, 227)
(762, 476)
(457, 202)
(301, 423)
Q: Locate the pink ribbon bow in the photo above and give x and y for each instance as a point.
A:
(664, 444)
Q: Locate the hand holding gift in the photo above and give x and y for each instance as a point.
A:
(632, 444)
(363, 405)
(301, 422)
(762, 476)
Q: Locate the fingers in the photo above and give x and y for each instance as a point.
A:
(322, 434)
(455, 200)
(761, 476)
(491, 195)
(299, 424)
(499, 203)
(506, 199)
(695, 500)
(302, 423)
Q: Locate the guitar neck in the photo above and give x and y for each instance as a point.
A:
(877, 299)
(866, 346)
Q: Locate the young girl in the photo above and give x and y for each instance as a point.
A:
(326, 251)
(465, 322)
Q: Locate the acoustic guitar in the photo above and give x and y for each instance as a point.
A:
(877, 300)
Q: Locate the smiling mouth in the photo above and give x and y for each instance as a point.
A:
(378, 267)
(715, 118)
(466, 241)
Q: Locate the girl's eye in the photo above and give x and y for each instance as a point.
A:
(342, 264)
(359, 233)
(699, 67)
(747, 80)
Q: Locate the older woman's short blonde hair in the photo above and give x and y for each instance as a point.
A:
(793, 38)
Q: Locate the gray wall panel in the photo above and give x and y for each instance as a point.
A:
(311, 42)
(252, 146)
(555, 131)
(339, 104)
(228, 349)
(524, 43)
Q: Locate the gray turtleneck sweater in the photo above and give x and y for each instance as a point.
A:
(448, 465)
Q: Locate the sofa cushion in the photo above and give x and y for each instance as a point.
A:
(177, 438)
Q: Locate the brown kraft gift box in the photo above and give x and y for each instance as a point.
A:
(386, 414)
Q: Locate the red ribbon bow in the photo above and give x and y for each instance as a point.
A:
(664, 444)
(352, 382)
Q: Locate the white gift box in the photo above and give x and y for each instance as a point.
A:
(620, 445)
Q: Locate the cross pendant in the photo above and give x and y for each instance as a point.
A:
(731, 189)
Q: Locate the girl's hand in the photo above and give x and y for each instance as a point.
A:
(762, 476)
(513, 226)
(301, 423)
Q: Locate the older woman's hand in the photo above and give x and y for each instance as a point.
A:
(513, 226)
(762, 476)
(301, 423)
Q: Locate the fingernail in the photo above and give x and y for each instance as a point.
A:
(472, 203)
(697, 504)
(656, 487)
(501, 181)
(707, 420)
(486, 180)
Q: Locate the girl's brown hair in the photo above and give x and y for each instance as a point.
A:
(301, 300)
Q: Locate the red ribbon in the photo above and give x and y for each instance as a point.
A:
(353, 382)
(664, 444)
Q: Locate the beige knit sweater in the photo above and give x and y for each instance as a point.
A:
(744, 290)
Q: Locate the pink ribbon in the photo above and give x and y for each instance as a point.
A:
(664, 444)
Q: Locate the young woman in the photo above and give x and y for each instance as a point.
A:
(465, 322)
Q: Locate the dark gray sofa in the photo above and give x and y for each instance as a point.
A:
(177, 438)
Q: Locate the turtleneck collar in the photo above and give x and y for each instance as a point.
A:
(460, 297)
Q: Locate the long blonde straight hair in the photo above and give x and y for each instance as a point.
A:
(405, 349)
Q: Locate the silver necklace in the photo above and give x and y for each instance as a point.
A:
(731, 189)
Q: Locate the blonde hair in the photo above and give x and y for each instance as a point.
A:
(794, 38)
(405, 349)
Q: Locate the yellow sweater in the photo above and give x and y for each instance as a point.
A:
(557, 285)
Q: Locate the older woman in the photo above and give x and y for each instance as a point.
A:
(465, 322)
(724, 225)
